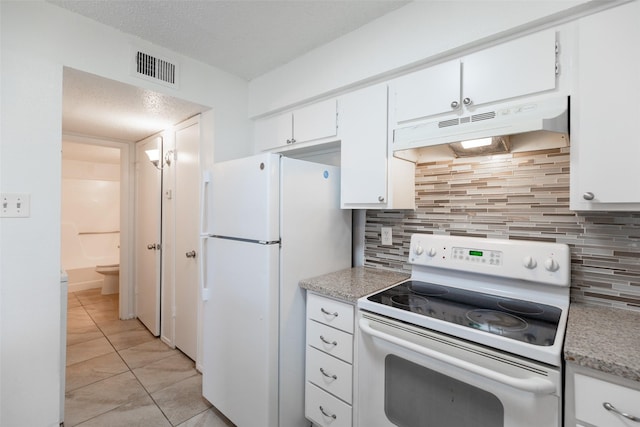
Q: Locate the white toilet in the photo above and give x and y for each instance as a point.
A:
(111, 282)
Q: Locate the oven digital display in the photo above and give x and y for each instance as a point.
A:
(475, 253)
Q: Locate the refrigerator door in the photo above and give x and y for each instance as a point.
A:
(240, 340)
(245, 198)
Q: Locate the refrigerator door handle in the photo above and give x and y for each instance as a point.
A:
(239, 239)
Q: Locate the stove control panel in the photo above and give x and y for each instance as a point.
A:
(543, 262)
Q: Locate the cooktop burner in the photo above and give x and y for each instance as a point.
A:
(520, 320)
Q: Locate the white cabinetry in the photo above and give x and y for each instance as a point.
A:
(519, 67)
(329, 361)
(371, 177)
(605, 112)
(315, 123)
(600, 400)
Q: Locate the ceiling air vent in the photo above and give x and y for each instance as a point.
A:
(155, 69)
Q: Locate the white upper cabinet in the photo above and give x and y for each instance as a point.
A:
(371, 178)
(427, 92)
(519, 67)
(314, 123)
(605, 112)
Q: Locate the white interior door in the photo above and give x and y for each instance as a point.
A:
(187, 217)
(148, 236)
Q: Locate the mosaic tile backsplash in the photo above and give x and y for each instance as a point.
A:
(523, 196)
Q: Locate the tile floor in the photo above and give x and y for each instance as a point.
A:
(118, 374)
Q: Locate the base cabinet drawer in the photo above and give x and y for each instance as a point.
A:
(330, 340)
(591, 394)
(330, 312)
(324, 409)
(330, 374)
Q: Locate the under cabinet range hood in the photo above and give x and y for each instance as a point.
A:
(519, 117)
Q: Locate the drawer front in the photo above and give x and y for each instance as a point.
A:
(330, 374)
(592, 393)
(330, 312)
(330, 340)
(321, 408)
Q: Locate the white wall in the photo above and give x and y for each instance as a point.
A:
(412, 35)
(37, 41)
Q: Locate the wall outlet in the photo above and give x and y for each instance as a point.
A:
(14, 205)
(386, 236)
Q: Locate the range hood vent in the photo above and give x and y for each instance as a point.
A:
(518, 117)
(153, 68)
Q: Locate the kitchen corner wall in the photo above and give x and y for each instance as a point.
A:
(520, 196)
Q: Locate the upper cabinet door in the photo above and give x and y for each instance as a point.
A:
(524, 66)
(273, 132)
(364, 146)
(434, 90)
(605, 112)
(316, 121)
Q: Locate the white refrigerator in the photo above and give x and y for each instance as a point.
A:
(272, 221)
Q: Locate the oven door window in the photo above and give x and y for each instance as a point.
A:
(418, 396)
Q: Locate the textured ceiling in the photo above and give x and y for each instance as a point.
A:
(244, 37)
(104, 108)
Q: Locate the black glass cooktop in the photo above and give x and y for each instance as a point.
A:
(525, 321)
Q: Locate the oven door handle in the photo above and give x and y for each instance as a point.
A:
(537, 386)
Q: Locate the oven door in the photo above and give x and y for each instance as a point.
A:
(409, 377)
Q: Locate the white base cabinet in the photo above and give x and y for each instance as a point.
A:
(329, 362)
(597, 399)
(605, 112)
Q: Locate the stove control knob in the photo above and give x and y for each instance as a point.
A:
(432, 252)
(551, 264)
(529, 262)
(418, 250)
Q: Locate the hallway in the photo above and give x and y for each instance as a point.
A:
(118, 374)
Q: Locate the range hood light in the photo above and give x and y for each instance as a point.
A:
(473, 143)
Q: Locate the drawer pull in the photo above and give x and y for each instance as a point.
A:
(609, 407)
(327, 415)
(324, 340)
(334, 377)
(329, 314)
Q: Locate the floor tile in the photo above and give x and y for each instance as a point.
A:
(165, 372)
(141, 412)
(94, 370)
(81, 332)
(98, 398)
(183, 400)
(110, 327)
(143, 354)
(130, 338)
(208, 418)
(88, 350)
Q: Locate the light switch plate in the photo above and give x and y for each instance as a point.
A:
(15, 205)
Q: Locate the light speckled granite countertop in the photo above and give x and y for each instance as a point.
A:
(605, 339)
(350, 284)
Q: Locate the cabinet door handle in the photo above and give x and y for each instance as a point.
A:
(609, 407)
(588, 195)
(327, 415)
(324, 340)
(335, 314)
(455, 104)
(333, 377)
(381, 199)
(466, 101)
(289, 141)
(190, 254)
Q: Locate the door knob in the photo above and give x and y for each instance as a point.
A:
(455, 104)
(190, 254)
(151, 246)
(588, 195)
(466, 101)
